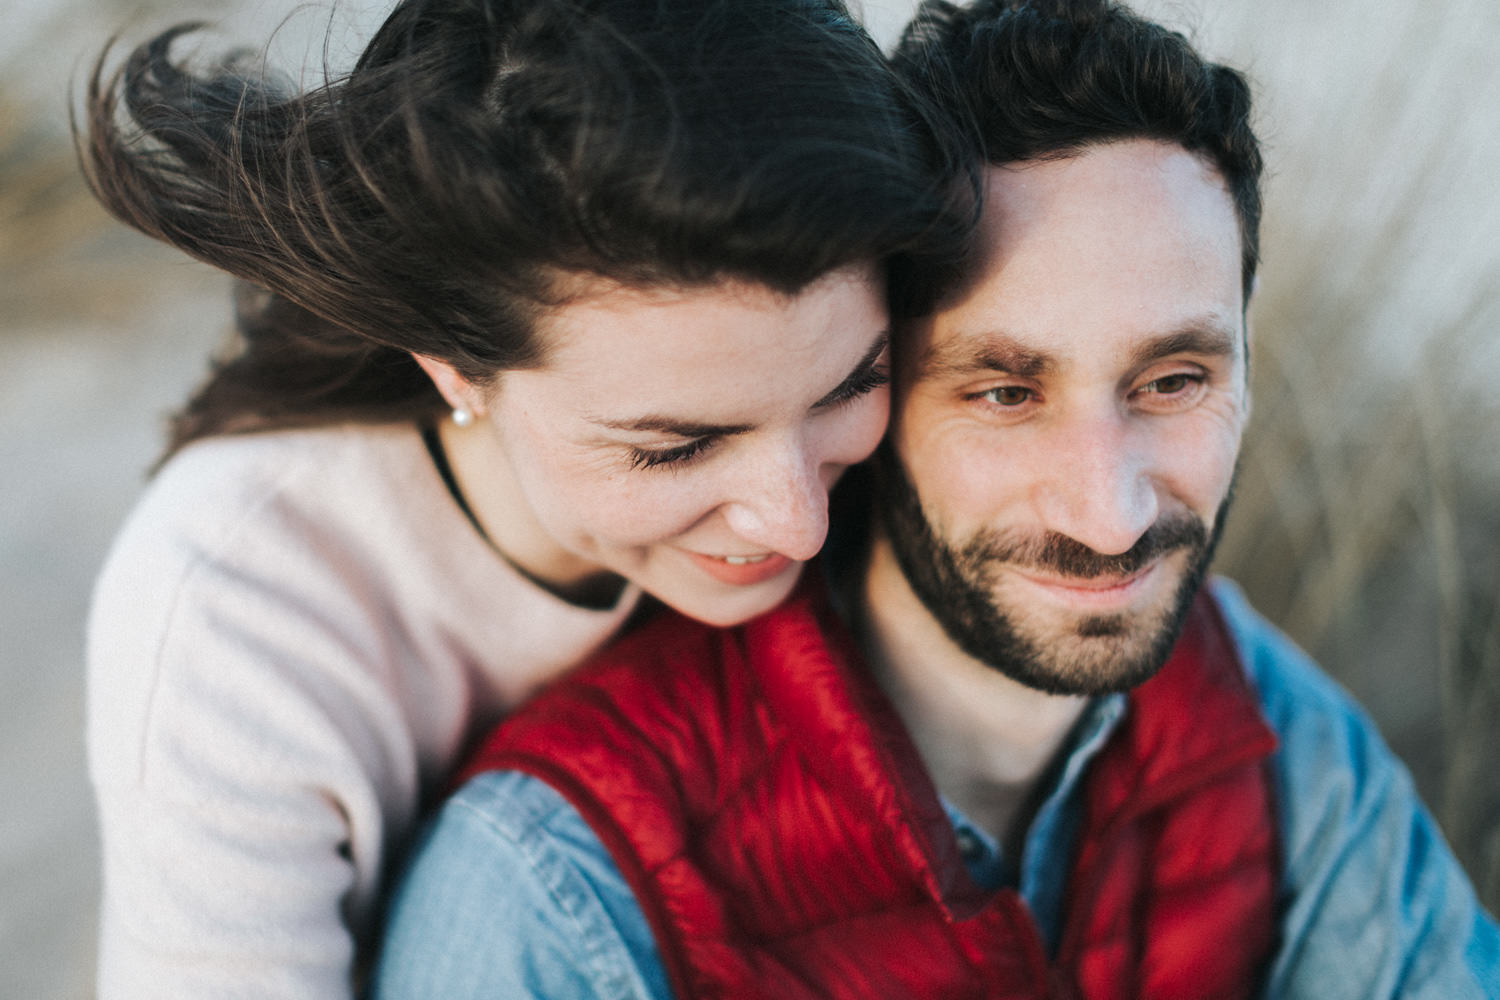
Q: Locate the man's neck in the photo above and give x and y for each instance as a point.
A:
(986, 739)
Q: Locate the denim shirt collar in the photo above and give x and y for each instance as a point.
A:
(1047, 850)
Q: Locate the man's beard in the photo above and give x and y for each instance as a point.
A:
(1098, 653)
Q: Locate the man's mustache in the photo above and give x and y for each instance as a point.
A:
(1063, 556)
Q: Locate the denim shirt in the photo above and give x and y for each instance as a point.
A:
(511, 895)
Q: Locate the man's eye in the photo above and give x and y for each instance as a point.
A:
(682, 454)
(1171, 385)
(1008, 395)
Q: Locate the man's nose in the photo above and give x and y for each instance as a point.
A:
(782, 504)
(1097, 485)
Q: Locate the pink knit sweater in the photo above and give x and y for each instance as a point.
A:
(293, 637)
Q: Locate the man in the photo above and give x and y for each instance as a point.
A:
(1042, 760)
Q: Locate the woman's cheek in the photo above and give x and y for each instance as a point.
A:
(643, 513)
(875, 420)
(851, 436)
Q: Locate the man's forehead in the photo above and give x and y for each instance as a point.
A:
(1113, 189)
(1117, 170)
(1125, 250)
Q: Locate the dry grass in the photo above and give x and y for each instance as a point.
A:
(44, 211)
(1368, 516)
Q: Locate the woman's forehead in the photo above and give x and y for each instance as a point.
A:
(705, 352)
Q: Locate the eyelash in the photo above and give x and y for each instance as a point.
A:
(679, 455)
(684, 454)
(868, 381)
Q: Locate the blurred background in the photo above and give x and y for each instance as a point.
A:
(1368, 517)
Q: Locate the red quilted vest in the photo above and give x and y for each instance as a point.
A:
(782, 837)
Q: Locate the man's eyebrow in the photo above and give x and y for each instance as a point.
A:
(857, 375)
(993, 352)
(1207, 337)
(1001, 353)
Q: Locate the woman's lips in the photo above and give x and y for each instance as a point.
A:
(742, 571)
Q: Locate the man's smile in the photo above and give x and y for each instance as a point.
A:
(1105, 592)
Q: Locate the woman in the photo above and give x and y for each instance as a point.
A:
(548, 303)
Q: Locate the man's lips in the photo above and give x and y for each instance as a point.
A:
(1106, 592)
(742, 571)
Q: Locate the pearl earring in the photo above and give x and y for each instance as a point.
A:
(463, 416)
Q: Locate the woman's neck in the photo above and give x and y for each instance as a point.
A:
(486, 485)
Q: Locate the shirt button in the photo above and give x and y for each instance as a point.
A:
(969, 845)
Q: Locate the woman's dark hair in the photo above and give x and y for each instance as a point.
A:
(1045, 79)
(481, 153)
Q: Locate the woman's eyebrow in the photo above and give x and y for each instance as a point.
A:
(671, 425)
(858, 374)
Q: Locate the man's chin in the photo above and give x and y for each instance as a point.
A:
(1090, 653)
(1100, 657)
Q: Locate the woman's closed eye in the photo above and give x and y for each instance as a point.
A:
(862, 383)
(872, 372)
(674, 456)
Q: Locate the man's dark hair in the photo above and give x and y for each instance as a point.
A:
(1027, 80)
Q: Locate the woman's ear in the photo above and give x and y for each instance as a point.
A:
(459, 392)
